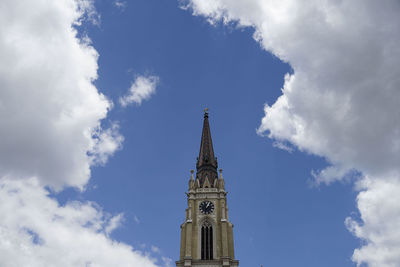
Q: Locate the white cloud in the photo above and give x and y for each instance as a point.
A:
(141, 89)
(282, 146)
(155, 249)
(114, 223)
(167, 262)
(106, 143)
(333, 174)
(50, 135)
(379, 205)
(342, 100)
(120, 4)
(49, 108)
(37, 231)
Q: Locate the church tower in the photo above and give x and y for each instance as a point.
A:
(207, 234)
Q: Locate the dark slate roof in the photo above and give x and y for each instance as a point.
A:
(207, 164)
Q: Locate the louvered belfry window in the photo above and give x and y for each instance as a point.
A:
(206, 241)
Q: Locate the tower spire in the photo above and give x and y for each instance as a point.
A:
(207, 164)
(207, 233)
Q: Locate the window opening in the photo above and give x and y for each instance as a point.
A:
(206, 241)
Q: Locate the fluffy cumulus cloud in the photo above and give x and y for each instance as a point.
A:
(341, 102)
(37, 231)
(51, 134)
(49, 108)
(379, 207)
(141, 89)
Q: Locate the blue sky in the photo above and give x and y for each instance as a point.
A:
(272, 205)
(305, 129)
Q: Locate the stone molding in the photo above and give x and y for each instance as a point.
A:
(225, 262)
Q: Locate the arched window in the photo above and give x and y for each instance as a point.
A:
(206, 241)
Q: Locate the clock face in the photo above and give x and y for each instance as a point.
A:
(206, 207)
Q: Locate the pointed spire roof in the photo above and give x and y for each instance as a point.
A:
(206, 162)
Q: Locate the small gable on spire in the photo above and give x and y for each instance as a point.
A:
(206, 183)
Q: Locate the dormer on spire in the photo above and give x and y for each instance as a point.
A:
(207, 164)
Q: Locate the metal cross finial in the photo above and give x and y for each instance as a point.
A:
(206, 110)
